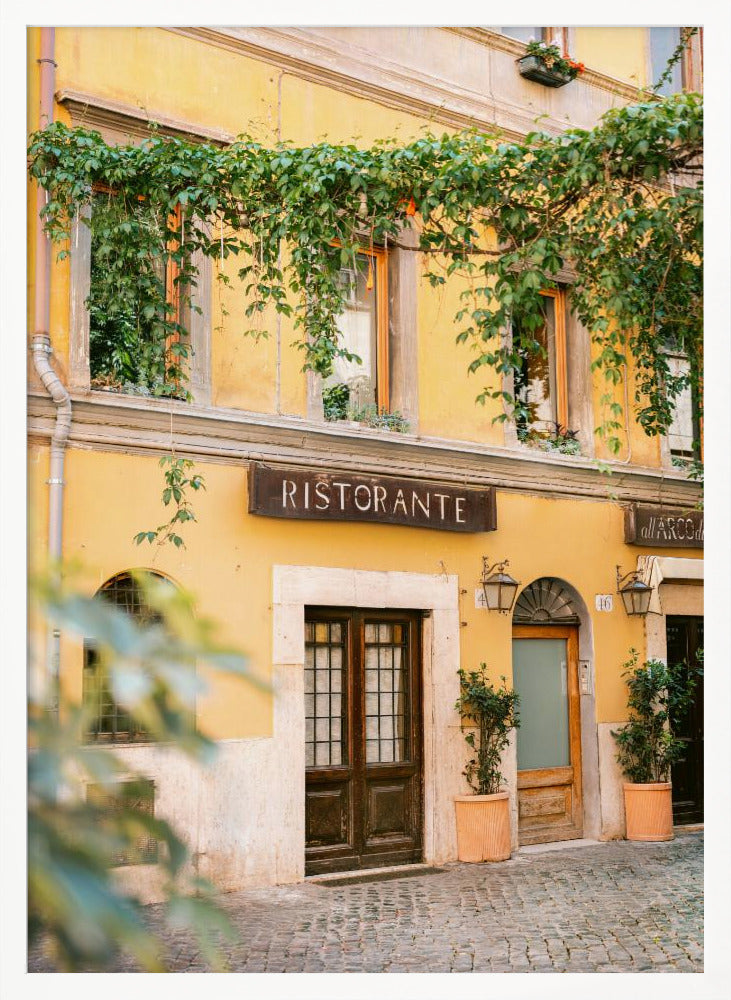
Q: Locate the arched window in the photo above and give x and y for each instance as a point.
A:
(109, 722)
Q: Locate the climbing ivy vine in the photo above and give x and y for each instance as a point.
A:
(179, 478)
(618, 206)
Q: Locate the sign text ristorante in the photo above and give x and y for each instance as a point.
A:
(342, 496)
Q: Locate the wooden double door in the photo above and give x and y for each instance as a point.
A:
(363, 739)
(546, 676)
(684, 635)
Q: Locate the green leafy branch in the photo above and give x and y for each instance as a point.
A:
(685, 36)
(493, 712)
(506, 217)
(77, 912)
(658, 694)
(177, 480)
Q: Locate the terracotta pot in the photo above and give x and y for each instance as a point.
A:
(483, 827)
(649, 811)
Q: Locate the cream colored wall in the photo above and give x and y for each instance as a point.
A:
(213, 87)
(229, 554)
(618, 52)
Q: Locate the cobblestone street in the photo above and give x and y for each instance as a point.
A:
(615, 907)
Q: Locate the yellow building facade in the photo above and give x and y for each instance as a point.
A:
(360, 623)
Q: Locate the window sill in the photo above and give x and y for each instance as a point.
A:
(544, 443)
(137, 392)
(365, 425)
(94, 740)
(108, 420)
(547, 449)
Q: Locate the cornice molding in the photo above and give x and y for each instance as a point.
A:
(363, 73)
(90, 110)
(111, 422)
(496, 40)
(347, 68)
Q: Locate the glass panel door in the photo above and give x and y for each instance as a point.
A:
(386, 721)
(324, 702)
(540, 678)
(363, 739)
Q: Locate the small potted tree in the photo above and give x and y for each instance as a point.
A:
(483, 819)
(647, 747)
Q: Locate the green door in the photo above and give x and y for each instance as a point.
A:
(545, 675)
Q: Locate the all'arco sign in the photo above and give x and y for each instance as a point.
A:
(663, 528)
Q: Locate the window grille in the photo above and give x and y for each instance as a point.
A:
(385, 693)
(109, 722)
(325, 736)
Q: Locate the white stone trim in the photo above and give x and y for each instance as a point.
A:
(236, 815)
(655, 570)
(80, 280)
(610, 782)
(293, 587)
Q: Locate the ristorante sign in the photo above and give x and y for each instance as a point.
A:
(658, 527)
(344, 496)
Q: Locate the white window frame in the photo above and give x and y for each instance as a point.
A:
(668, 458)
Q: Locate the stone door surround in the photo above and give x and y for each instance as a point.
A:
(293, 588)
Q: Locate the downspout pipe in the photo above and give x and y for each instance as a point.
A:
(41, 351)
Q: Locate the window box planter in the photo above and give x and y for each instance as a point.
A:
(533, 68)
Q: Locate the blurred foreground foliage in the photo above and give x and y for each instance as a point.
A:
(75, 904)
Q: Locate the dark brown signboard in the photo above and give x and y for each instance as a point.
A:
(657, 526)
(344, 496)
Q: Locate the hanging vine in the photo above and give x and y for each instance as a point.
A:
(620, 206)
(179, 478)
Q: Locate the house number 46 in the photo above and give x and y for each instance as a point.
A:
(604, 602)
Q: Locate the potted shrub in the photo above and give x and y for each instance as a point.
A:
(543, 63)
(483, 819)
(647, 747)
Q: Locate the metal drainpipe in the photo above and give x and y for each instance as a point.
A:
(41, 350)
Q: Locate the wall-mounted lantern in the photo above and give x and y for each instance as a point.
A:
(500, 588)
(634, 593)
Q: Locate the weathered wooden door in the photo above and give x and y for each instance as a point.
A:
(685, 638)
(363, 782)
(545, 675)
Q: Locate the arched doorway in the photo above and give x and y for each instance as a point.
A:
(546, 676)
